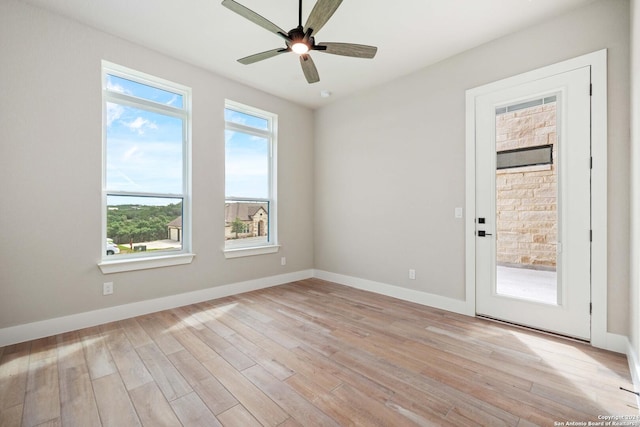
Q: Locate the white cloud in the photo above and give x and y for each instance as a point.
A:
(114, 87)
(152, 166)
(141, 125)
(114, 112)
(172, 101)
(130, 152)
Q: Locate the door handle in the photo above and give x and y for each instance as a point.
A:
(482, 233)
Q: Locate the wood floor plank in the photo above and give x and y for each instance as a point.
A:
(51, 423)
(167, 377)
(131, 368)
(114, 406)
(43, 348)
(152, 408)
(96, 353)
(11, 416)
(238, 416)
(284, 356)
(260, 356)
(77, 402)
(250, 396)
(42, 399)
(189, 367)
(210, 320)
(217, 398)
(155, 326)
(371, 412)
(293, 403)
(194, 344)
(136, 333)
(70, 352)
(225, 349)
(309, 353)
(14, 368)
(192, 412)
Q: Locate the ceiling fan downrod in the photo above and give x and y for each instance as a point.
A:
(300, 13)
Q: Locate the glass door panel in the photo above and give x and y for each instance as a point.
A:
(527, 200)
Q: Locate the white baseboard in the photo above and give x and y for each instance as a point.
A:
(424, 298)
(613, 342)
(634, 368)
(45, 328)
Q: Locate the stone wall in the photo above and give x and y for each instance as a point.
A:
(526, 197)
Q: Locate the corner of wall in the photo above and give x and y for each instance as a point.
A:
(634, 368)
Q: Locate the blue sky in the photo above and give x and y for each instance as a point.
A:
(144, 148)
(139, 90)
(246, 158)
(246, 165)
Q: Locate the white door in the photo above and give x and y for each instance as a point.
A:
(533, 202)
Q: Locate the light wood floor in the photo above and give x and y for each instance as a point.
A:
(310, 353)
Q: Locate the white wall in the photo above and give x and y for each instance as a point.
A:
(390, 161)
(50, 169)
(634, 329)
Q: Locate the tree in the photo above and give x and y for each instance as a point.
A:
(140, 223)
(237, 226)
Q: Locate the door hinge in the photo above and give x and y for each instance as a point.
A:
(591, 235)
(590, 89)
(590, 308)
(590, 162)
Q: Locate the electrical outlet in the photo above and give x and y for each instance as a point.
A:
(107, 288)
(412, 274)
(283, 261)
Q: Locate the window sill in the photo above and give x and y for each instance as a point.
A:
(121, 265)
(250, 251)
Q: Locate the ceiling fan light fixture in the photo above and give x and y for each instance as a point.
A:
(300, 40)
(300, 47)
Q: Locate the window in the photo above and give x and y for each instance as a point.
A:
(146, 159)
(250, 220)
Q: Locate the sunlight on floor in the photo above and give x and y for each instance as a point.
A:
(567, 364)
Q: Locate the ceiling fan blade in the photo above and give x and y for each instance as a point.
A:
(255, 18)
(348, 49)
(320, 14)
(260, 56)
(309, 69)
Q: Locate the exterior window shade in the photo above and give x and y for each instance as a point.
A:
(523, 157)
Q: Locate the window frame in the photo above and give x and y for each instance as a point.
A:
(241, 249)
(145, 260)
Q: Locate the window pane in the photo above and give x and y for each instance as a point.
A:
(245, 119)
(144, 151)
(139, 90)
(143, 224)
(527, 202)
(246, 222)
(246, 165)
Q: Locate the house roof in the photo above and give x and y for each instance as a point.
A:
(244, 211)
(176, 222)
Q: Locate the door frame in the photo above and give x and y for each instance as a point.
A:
(598, 63)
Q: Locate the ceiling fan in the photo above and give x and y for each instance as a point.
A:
(301, 39)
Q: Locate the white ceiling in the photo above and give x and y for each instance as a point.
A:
(409, 34)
